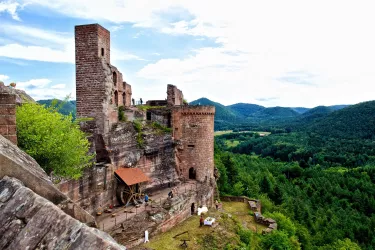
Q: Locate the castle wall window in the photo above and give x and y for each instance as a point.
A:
(114, 78)
(102, 51)
(192, 174)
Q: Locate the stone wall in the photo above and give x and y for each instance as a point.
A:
(8, 116)
(95, 190)
(127, 94)
(156, 103)
(193, 131)
(174, 96)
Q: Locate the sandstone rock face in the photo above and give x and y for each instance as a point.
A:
(16, 163)
(28, 221)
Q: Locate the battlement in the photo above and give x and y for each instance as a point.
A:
(197, 110)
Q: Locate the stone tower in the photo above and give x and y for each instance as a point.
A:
(193, 129)
(99, 85)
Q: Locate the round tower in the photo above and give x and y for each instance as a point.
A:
(193, 130)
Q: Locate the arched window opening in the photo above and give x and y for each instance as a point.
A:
(102, 50)
(116, 98)
(192, 174)
(124, 99)
(114, 78)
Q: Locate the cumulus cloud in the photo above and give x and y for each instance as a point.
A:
(10, 7)
(4, 77)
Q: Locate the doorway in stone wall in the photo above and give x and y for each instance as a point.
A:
(192, 173)
(192, 208)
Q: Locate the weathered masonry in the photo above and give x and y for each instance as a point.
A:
(8, 113)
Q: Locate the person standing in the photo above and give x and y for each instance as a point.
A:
(146, 199)
(201, 221)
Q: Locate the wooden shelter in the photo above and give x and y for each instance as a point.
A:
(129, 188)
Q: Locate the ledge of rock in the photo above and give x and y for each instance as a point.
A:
(16, 163)
(29, 221)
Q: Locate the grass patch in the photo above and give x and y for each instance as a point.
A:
(147, 107)
(232, 143)
(225, 235)
(217, 133)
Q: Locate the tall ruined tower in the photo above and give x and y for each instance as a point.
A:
(193, 129)
(99, 85)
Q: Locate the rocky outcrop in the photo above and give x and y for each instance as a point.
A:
(16, 163)
(21, 96)
(29, 221)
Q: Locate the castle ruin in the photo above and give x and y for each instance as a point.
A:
(154, 148)
(130, 160)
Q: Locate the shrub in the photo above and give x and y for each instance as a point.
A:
(53, 140)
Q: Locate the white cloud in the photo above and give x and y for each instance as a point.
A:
(46, 45)
(36, 53)
(10, 7)
(258, 44)
(115, 28)
(59, 86)
(4, 77)
(33, 83)
(118, 55)
(40, 89)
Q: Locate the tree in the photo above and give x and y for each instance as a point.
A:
(238, 189)
(278, 240)
(53, 140)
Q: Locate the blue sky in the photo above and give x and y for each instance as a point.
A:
(272, 53)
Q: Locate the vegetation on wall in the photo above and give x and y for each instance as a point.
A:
(138, 128)
(121, 114)
(53, 140)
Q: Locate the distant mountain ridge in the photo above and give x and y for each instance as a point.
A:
(247, 112)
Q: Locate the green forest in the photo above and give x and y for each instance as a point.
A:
(316, 178)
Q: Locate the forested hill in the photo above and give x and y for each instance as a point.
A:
(356, 121)
(247, 116)
(245, 109)
(65, 109)
(222, 112)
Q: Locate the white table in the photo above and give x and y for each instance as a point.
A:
(209, 221)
